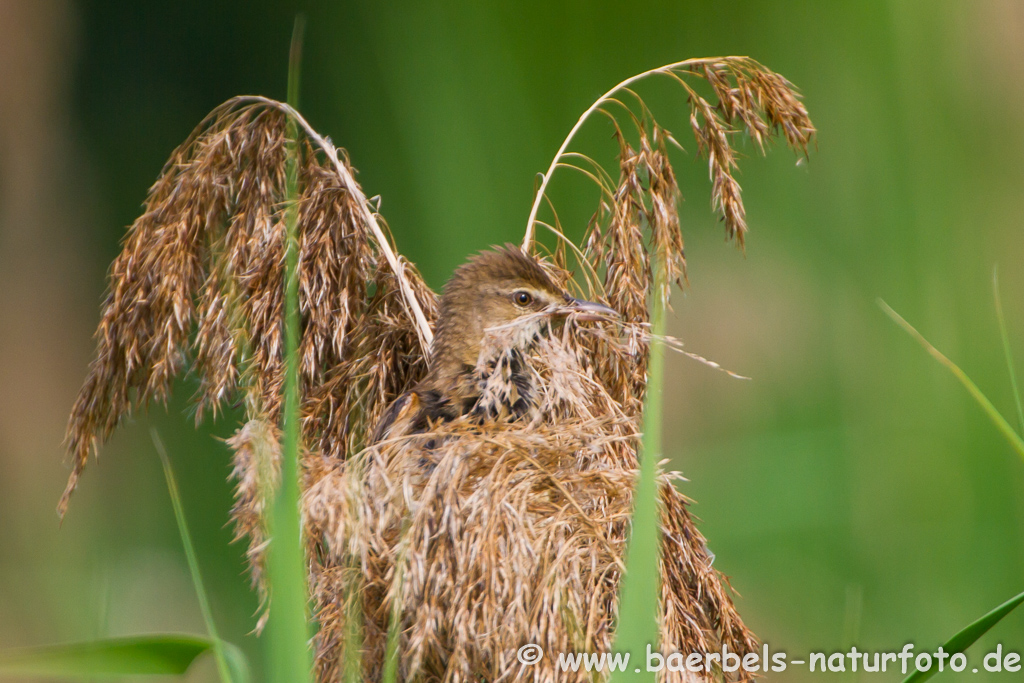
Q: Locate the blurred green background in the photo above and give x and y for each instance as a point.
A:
(852, 491)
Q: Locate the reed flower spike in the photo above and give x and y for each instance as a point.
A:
(469, 459)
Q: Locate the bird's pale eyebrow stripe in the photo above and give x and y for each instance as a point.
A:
(537, 293)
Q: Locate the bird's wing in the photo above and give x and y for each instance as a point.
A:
(401, 417)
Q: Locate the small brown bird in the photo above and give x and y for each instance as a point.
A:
(493, 309)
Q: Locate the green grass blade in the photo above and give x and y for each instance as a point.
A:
(395, 619)
(966, 637)
(639, 595)
(193, 563)
(288, 626)
(1006, 346)
(391, 648)
(993, 414)
(352, 667)
(140, 655)
(238, 663)
(295, 60)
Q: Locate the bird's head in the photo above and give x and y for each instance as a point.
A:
(501, 291)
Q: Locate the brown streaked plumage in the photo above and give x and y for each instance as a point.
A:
(493, 309)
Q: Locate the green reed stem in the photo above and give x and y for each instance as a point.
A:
(1000, 422)
(223, 670)
(1006, 346)
(640, 592)
(395, 618)
(288, 626)
(968, 635)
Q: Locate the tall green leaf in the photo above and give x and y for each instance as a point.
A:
(1000, 422)
(395, 618)
(1006, 347)
(193, 565)
(966, 637)
(639, 595)
(139, 655)
(288, 628)
(352, 666)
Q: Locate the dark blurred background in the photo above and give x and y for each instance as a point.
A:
(853, 491)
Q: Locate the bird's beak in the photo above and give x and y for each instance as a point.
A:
(588, 311)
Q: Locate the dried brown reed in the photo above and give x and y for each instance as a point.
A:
(508, 533)
(206, 256)
(494, 534)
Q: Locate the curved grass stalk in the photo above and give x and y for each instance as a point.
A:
(588, 270)
(608, 96)
(967, 636)
(527, 240)
(589, 174)
(993, 413)
(598, 168)
(1006, 346)
(216, 644)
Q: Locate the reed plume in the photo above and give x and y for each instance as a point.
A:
(497, 534)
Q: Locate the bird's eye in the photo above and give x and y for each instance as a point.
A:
(522, 298)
